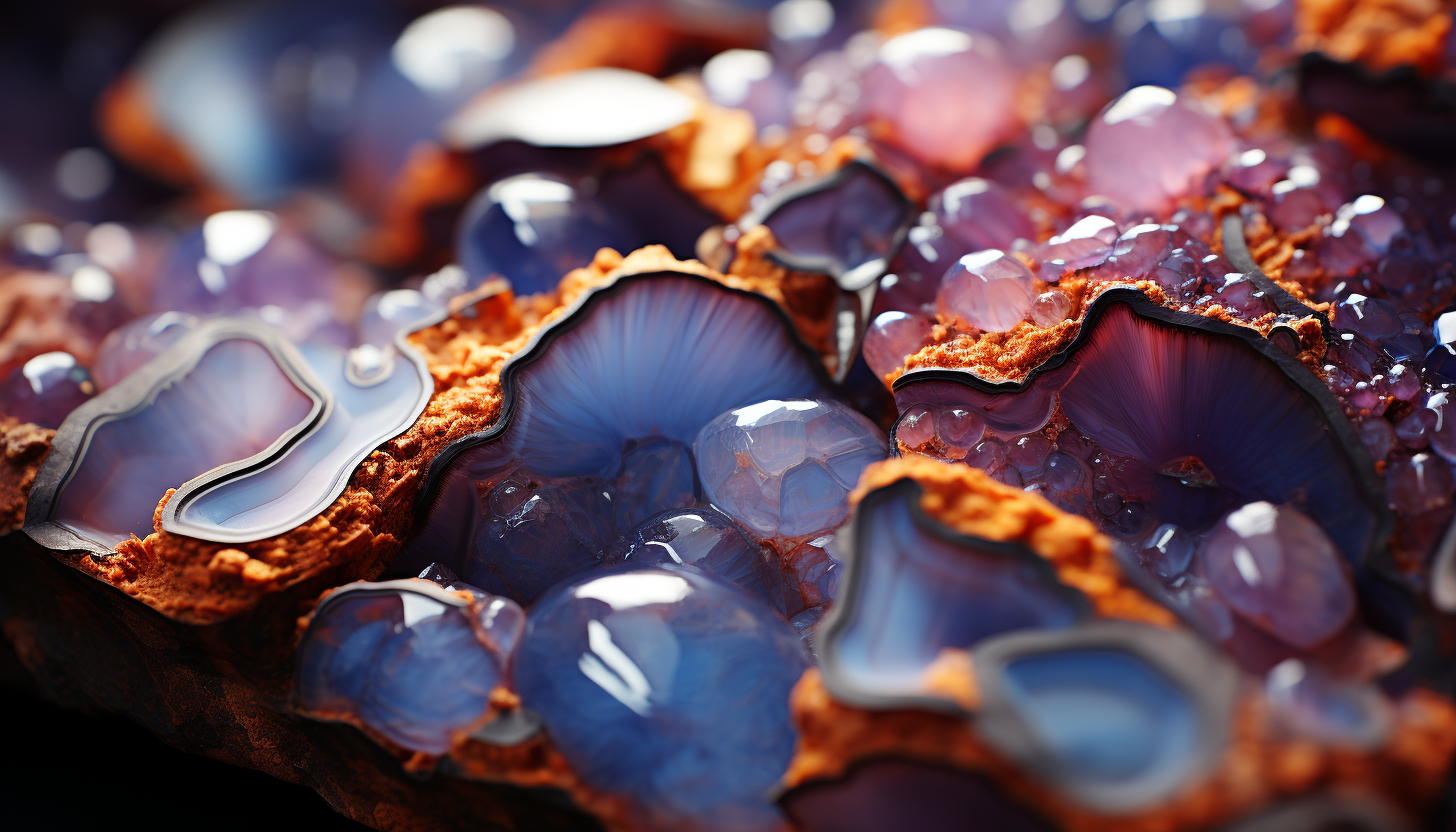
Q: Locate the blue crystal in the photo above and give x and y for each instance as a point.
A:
(1168, 39)
(703, 538)
(536, 534)
(532, 229)
(785, 468)
(405, 664)
(1105, 715)
(668, 686)
(657, 474)
(916, 593)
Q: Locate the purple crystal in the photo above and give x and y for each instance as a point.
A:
(1138, 252)
(657, 474)
(616, 392)
(1087, 242)
(848, 229)
(703, 538)
(1418, 484)
(1150, 147)
(1168, 552)
(532, 230)
(747, 79)
(129, 347)
(1278, 569)
(1310, 703)
(1373, 318)
(245, 260)
(989, 290)
(947, 97)
(785, 468)
(959, 431)
(893, 337)
(1361, 233)
(45, 389)
(981, 214)
(415, 666)
(669, 687)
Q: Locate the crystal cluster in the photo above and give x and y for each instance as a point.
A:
(1187, 310)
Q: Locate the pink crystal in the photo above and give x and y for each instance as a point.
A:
(128, 347)
(1278, 569)
(989, 290)
(916, 428)
(946, 97)
(959, 431)
(1087, 242)
(981, 214)
(1150, 147)
(893, 337)
(1050, 308)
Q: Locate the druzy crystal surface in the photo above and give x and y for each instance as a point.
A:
(784, 469)
(668, 686)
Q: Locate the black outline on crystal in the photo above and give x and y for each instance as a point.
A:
(510, 728)
(1236, 249)
(1209, 681)
(200, 486)
(139, 390)
(579, 311)
(1374, 558)
(1317, 812)
(812, 187)
(850, 539)
(136, 393)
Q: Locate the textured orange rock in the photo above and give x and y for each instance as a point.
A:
(1380, 34)
(967, 500)
(34, 319)
(24, 447)
(1260, 764)
(202, 582)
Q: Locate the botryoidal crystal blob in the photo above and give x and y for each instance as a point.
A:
(669, 686)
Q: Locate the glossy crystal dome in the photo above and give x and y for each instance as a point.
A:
(411, 663)
(668, 686)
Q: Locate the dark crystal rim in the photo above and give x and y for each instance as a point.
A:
(138, 391)
(578, 312)
(1376, 557)
(1320, 812)
(1210, 683)
(844, 609)
(201, 485)
(828, 182)
(1236, 249)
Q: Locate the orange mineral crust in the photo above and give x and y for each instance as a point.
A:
(1380, 34)
(25, 447)
(967, 500)
(35, 310)
(202, 582)
(1259, 766)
